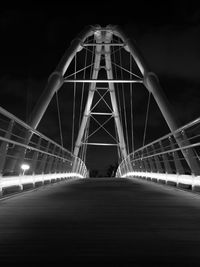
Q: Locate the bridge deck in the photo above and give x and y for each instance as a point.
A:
(104, 222)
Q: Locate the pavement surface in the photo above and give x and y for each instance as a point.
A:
(101, 222)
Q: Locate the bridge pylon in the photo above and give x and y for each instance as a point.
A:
(102, 60)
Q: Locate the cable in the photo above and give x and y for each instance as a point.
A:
(74, 106)
(59, 120)
(92, 60)
(85, 138)
(86, 134)
(130, 72)
(118, 148)
(101, 126)
(78, 71)
(123, 96)
(131, 100)
(83, 88)
(118, 96)
(146, 119)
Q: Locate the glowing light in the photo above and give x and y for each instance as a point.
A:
(177, 178)
(97, 33)
(25, 167)
(32, 179)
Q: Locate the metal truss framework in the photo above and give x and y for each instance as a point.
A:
(103, 40)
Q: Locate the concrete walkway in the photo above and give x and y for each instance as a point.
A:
(101, 222)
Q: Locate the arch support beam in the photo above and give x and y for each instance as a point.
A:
(152, 84)
(55, 80)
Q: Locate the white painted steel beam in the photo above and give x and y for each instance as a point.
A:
(101, 113)
(101, 81)
(55, 80)
(152, 84)
(100, 144)
(111, 44)
(109, 72)
(86, 113)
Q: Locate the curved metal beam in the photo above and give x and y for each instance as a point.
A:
(55, 80)
(152, 84)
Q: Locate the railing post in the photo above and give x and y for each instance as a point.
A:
(151, 160)
(148, 161)
(56, 162)
(128, 164)
(189, 154)
(136, 165)
(145, 162)
(143, 166)
(4, 147)
(60, 162)
(157, 162)
(141, 162)
(41, 168)
(168, 168)
(50, 163)
(122, 168)
(64, 164)
(35, 157)
(21, 153)
(178, 165)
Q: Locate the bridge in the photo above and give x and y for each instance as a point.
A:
(52, 211)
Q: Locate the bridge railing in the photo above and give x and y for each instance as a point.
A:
(165, 160)
(29, 157)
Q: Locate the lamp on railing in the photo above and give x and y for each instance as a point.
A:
(25, 167)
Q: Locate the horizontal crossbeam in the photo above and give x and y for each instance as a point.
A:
(102, 81)
(111, 44)
(101, 113)
(100, 144)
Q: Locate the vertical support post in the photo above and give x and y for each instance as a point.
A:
(168, 168)
(157, 162)
(151, 160)
(55, 162)
(50, 163)
(178, 165)
(20, 154)
(41, 168)
(3, 151)
(4, 146)
(145, 162)
(60, 162)
(35, 157)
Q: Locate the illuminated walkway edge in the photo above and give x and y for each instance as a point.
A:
(184, 179)
(22, 180)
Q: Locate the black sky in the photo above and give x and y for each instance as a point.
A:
(34, 36)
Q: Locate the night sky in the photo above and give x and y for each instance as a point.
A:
(35, 36)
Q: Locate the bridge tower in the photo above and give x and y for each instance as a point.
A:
(102, 60)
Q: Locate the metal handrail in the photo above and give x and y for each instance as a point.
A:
(48, 162)
(182, 128)
(22, 123)
(156, 158)
(32, 148)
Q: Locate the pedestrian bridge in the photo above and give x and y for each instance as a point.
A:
(52, 211)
